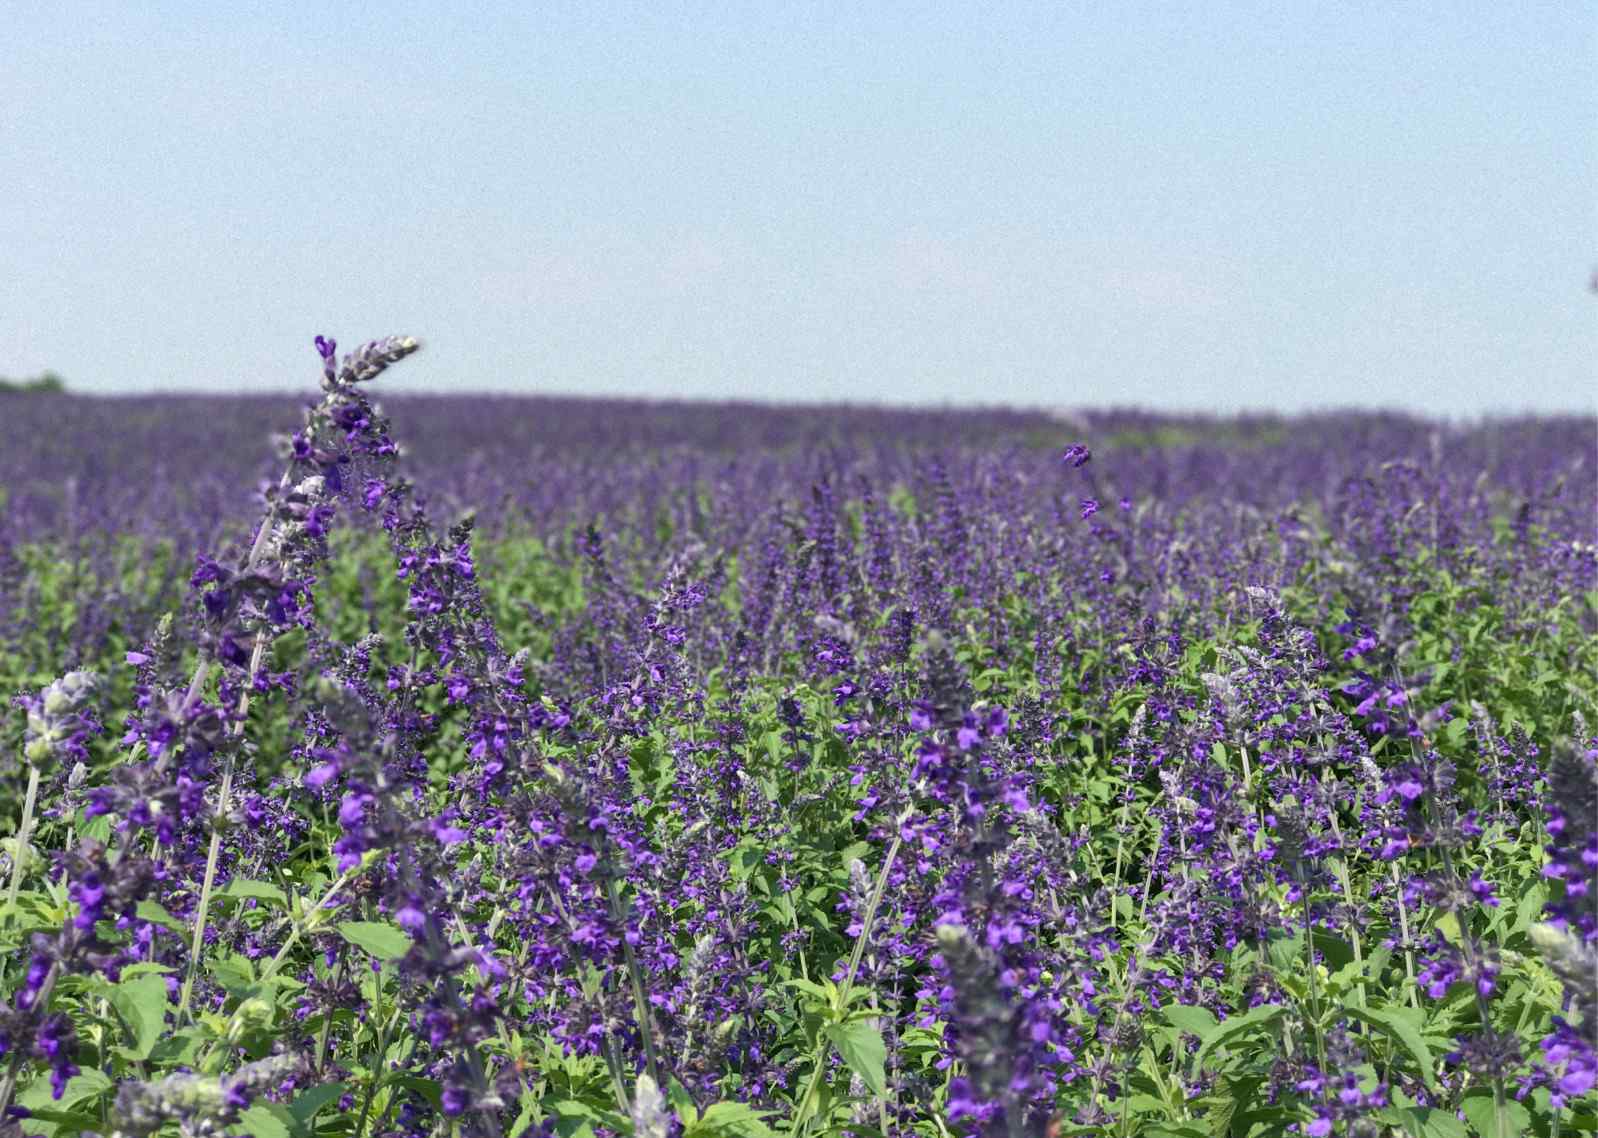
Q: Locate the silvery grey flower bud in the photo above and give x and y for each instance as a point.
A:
(58, 719)
(1572, 960)
(838, 629)
(201, 1104)
(859, 879)
(651, 1117)
(370, 360)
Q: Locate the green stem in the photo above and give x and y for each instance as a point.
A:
(298, 928)
(793, 914)
(635, 975)
(1127, 983)
(871, 915)
(1148, 880)
(1309, 972)
(1403, 928)
(196, 684)
(1340, 867)
(1467, 948)
(23, 829)
(618, 1080)
(327, 1023)
(197, 945)
(377, 1065)
(802, 1115)
(882, 1102)
(1120, 849)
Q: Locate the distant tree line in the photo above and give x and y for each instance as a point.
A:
(45, 383)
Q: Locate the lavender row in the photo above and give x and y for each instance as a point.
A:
(184, 467)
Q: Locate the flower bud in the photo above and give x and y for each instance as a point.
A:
(60, 719)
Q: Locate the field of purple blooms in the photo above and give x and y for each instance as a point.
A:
(526, 766)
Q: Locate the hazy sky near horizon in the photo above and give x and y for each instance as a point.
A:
(1190, 206)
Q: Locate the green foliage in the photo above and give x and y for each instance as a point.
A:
(45, 383)
(382, 941)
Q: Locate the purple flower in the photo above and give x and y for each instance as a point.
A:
(57, 1045)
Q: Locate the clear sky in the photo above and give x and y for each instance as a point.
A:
(1208, 205)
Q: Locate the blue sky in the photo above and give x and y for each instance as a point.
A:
(1211, 206)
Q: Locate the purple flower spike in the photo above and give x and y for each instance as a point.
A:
(326, 346)
(1076, 456)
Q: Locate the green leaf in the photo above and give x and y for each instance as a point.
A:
(63, 1121)
(379, 938)
(1483, 1115)
(1424, 1122)
(142, 1004)
(1529, 911)
(862, 1048)
(156, 914)
(732, 1118)
(1402, 1030)
(678, 1098)
(146, 968)
(233, 972)
(305, 1106)
(1236, 1027)
(525, 1117)
(97, 829)
(1286, 951)
(265, 1120)
(89, 1084)
(811, 988)
(1335, 951)
(1191, 1019)
(430, 1089)
(1218, 1116)
(575, 1118)
(1239, 1096)
(1271, 1120)
(260, 890)
(179, 1048)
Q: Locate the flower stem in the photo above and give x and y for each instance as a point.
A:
(635, 976)
(197, 945)
(376, 1074)
(21, 853)
(1309, 972)
(802, 1115)
(1403, 928)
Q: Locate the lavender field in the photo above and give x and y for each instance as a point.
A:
(480, 765)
